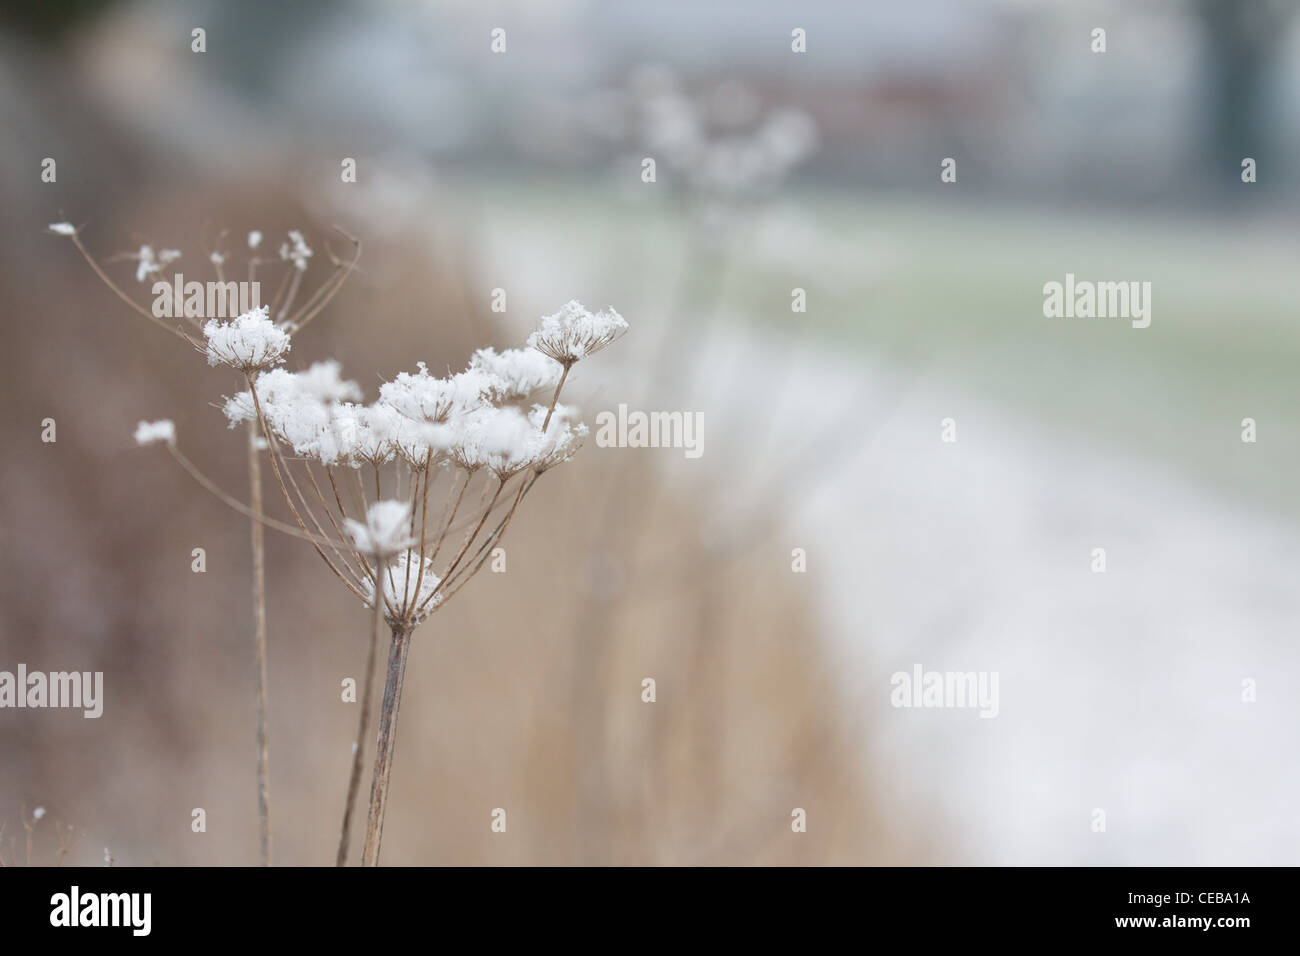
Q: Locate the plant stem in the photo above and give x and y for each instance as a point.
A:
(363, 724)
(555, 398)
(259, 640)
(386, 743)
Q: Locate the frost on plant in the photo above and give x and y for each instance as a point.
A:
(573, 333)
(296, 405)
(250, 342)
(408, 577)
(523, 371)
(358, 478)
(363, 495)
(295, 250)
(422, 397)
(148, 263)
(386, 530)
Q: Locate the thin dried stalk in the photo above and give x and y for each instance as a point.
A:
(386, 743)
(258, 545)
(328, 289)
(354, 779)
(556, 397)
(116, 290)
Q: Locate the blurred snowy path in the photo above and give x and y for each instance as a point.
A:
(1119, 690)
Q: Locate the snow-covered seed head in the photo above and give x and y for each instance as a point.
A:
(561, 440)
(573, 333)
(146, 433)
(521, 371)
(386, 530)
(150, 263)
(287, 397)
(505, 441)
(490, 438)
(423, 398)
(409, 581)
(250, 343)
(63, 228)
(366, 434)
(420, 445)
(296, 250)
(280, 388)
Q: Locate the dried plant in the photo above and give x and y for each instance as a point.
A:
(404, 499)
(294, 308)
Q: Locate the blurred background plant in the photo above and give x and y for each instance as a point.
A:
(479, 172)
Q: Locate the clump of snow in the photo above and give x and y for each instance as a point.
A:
(281, 389)
(296, 250)
(422, 397)
(146, 433)
(149, 263)
(250, 342)
(573, 333)
(386, 531)
(523, 371)
(507, 441)
(365, 434)
(492, 438)
(561, 440)
(63, 229)
(409, 581)
(254, 239)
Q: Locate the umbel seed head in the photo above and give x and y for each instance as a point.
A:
(573, 333)
(250, 343)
